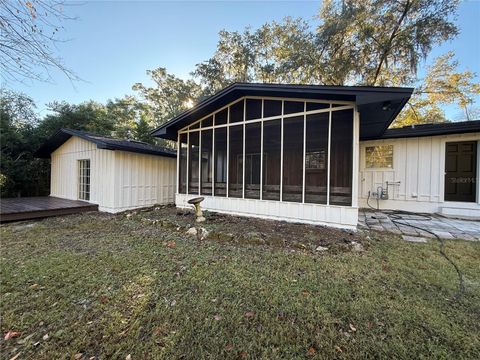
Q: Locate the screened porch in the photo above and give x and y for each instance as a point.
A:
(271, 149)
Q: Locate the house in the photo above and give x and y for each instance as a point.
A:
(116, 174)
(315, 154)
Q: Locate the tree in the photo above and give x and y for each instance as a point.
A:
(442, 85)
(21, 174)
(89, 116)
(382, 42)
(28, 36)
(169, 96)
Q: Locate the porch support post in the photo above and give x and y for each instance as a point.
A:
(355, 156)
(329, 152)
(178, 162)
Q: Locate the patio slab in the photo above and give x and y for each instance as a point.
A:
(410, 225)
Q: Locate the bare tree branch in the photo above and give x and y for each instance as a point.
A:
(29, 32)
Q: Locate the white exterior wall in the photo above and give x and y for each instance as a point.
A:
(64, 171)
(143, 180)
(419, 166)
(331, 215)
(119, 180)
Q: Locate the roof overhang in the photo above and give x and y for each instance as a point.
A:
(378, 106)
(62, 135)
(447, 128)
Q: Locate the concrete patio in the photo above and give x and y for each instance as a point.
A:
(445, 228)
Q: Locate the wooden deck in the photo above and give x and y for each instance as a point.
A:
(15, 209)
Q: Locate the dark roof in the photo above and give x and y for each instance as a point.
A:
(431, 130)
(102, 142)
(378, 106)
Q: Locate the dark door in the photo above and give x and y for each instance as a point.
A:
(460, 171)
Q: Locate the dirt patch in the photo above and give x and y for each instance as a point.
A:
(251, 231)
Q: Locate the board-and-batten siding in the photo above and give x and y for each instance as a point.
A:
(64, 171)
(418, 166)
(143, 180)
(119, 180)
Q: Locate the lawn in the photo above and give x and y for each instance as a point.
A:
(98, 286)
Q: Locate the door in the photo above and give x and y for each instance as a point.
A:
(460, 171)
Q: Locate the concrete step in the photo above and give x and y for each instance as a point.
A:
(459, 212)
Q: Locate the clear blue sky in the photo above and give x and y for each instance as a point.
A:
(113, 43)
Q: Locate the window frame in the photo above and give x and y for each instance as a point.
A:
(379, 168)
(83, 194)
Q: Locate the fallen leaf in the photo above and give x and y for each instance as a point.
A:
(338, 349)
(45, 337)
(12, 334)
(217, 317)
(103, 299)
(311, 350)
(171, 244)
(16, 356)
(242, 355)
(229, 347)
(353, 328)
(249, 314)
(33, 286)
(77, 356)
(128, 357)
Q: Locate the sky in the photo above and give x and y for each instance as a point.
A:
(111, 44)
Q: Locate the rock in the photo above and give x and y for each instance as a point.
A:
(203, 233)
(200, 219)
(192, 231)
(321, 248)
(415, 239)
(24, 226)
(357, 247)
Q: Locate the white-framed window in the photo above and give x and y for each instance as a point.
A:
(84, 179)
(379, 157)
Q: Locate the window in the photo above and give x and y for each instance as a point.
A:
(341, 158)
(84, 180)
(193, 153)
(271, 160)
(293, 159)
(182, 171)
(220, 161)
(206, 168)
(380, 156)
(316, 157)
(253, 140)
(235, 171)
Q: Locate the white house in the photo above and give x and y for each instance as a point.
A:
(315, 154)
(116, 174)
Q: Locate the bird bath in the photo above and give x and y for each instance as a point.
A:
(198, 211)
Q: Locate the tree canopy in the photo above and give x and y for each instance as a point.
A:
(350, 42)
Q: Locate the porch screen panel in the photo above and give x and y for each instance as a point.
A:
(235, 165)
(206, 168)
(341, 158)
(271, 159)
(220, 162)
(316, 158)
(193, 163)
(293, 159)
(252, 160)
(236, 112)
(182, 171)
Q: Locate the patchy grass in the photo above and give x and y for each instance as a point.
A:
(107, 286)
